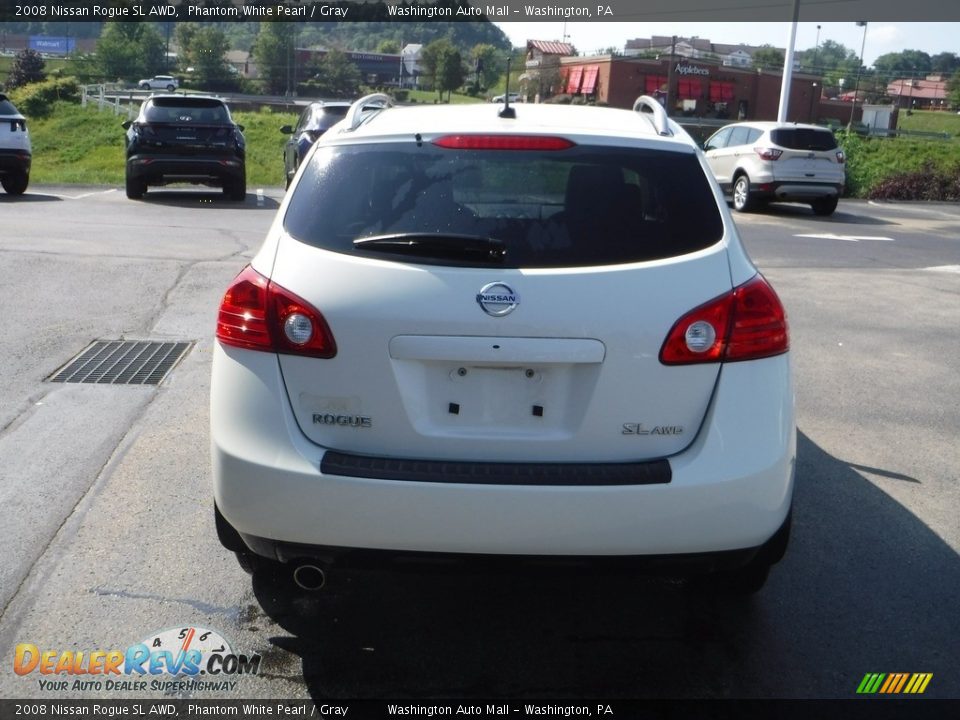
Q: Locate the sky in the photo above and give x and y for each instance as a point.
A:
(881, 37)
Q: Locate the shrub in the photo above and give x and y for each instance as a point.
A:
(928, 183)
(873, 161)
(37, 99)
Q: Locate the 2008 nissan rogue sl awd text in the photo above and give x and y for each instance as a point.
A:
(480, 331)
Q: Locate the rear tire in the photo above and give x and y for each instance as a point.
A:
(135, 188)
(742, 582)
(824, 206)
(742, 202)
(236, 189)
(16, 183)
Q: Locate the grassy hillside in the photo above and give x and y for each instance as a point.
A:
(930, 121)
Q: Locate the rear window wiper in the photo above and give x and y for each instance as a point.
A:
(446, 246)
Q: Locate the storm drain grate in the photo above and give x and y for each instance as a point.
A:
(123, 362)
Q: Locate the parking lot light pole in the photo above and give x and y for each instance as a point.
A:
(856, 88)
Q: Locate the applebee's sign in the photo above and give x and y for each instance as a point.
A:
(691, 70)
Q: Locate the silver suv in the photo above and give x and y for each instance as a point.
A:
(15, 151)
(768, 161)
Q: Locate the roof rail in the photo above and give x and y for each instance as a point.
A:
(651, 106)
(376, 101)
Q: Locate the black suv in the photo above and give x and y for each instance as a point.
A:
(185, 138)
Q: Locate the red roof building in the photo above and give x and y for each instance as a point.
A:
(928, 94)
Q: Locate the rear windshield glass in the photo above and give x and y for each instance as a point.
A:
(574, 207)
(335, 110)
(7, 108)
(184, 109)
(329, 116)
(804, 139)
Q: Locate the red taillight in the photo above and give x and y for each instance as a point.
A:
(747, 323)
(503, 142)
(768, 153)
(841, 157)
(258, 314)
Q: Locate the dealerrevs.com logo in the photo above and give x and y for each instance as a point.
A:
(186, 654)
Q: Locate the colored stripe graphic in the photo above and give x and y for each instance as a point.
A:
(894, 683)
(870, 683)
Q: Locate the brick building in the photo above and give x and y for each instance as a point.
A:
(700, 88)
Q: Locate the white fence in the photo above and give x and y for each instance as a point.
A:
(111, 97)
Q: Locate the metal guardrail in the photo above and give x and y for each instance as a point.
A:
(922, 134)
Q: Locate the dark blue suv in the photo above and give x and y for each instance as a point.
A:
(315, 120)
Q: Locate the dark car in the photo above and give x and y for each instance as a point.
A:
(315, 120)
(185, 138)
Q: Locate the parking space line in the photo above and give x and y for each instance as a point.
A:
(847, 238)
(83, 195)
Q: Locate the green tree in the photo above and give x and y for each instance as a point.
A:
(836, 61)
(768, 57)
(953, 90)
(273, 53)
(389, 47)
(908, 63)
(203, 48)
(945, 62)
(450, 72)
(443, 63)
(337, 76)
(491, 68)
(28, 67)
(129, 51)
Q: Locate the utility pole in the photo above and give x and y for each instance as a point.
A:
(787, 79)
(816, 52)
(856, 89)
(673, 50)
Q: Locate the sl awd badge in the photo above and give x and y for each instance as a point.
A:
(497, 299)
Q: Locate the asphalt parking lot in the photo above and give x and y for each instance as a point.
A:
(105, 509)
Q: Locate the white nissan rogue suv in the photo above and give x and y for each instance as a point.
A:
(529, 331)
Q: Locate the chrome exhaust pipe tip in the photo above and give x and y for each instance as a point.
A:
(309, 577)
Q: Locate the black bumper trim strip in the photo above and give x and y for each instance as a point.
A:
(654, 472)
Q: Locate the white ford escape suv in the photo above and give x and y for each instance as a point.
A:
(531, 332)
(758, 162)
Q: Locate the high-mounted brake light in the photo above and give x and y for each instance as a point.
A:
(503, 142)
(747, 323)
(768, 153)
(258, 314)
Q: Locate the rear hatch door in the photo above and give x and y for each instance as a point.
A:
(505, 306)
(809, 155)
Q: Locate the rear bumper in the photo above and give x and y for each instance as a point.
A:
(161, 169)
(730, 490)
(15, 162)
(798, 191)
(674, 564)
